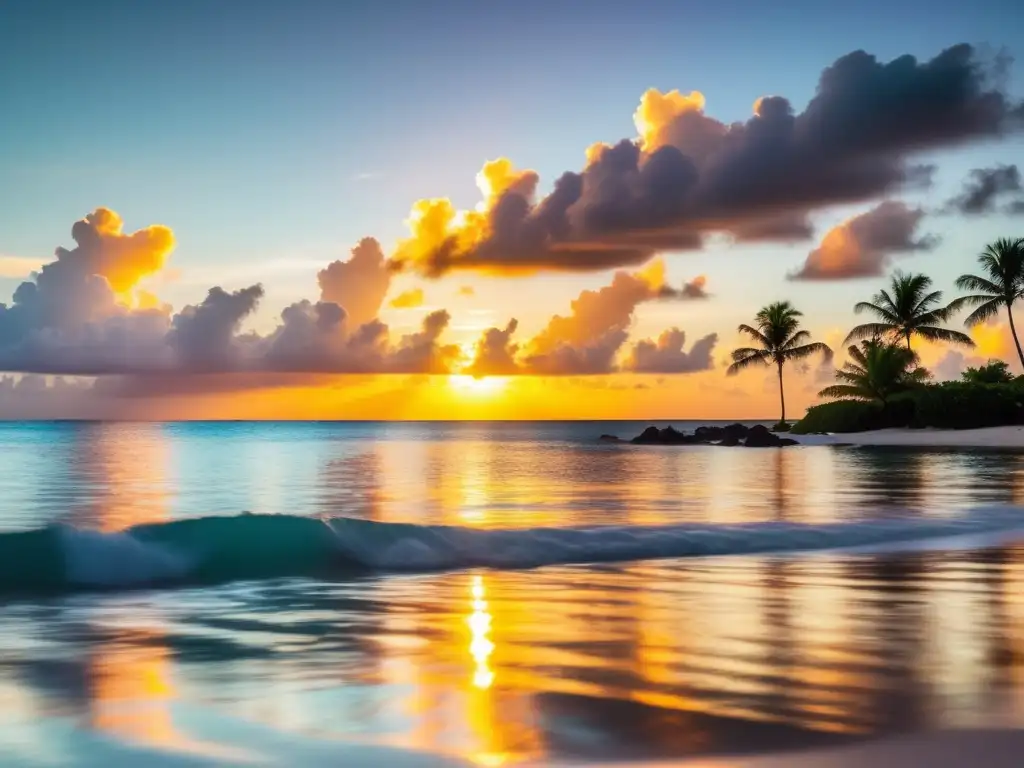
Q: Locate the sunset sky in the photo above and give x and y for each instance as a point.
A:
(350, 210)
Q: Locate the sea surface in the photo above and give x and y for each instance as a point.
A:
(492, 594)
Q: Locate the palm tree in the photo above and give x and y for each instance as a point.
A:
(779, 337)
(1002, 263)
(875, 371)
(910, 310)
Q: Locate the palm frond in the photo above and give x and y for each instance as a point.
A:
(758, 358)
(868, 331)
(755, 334)
(984, 312)
(815, 347)
(837, 391)
(933, 333)
(980, 284)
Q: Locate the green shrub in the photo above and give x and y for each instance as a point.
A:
(782, 426)
(949, 405)
(962, 405)
(839, 416)
(993, 372)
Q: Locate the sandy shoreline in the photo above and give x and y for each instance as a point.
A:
(990, 437)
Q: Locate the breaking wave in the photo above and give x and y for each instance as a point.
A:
(218, 549)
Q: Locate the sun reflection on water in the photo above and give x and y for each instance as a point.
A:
(480, 647)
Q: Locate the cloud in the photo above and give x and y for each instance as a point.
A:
(74, 315)
(359, 284)
(205, 336)
(863, 245)
(688, 174)
(69, 319)
(666, 355)
(695, 288)
(408, 299)
(495, 352)
(985, 187)
(588, 339)
(596, 325)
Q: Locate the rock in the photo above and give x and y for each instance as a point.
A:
(672, 436)
(708, 434)
(759, 436)
(609, 439)
(735, 432)
(729, 441)
(649, 435)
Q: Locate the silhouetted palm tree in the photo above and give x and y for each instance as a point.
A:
(778, 333)
(1002, 263)
(910, 310)
(876, 371)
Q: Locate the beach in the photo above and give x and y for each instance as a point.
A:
(989, 437)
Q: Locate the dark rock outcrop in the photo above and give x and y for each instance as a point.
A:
(734, 434)
(762, 437)
(666, 436)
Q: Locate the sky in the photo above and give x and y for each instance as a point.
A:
(480, 209)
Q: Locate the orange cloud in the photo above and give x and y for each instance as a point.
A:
(863, 245)
(103, 249)
(408, 299)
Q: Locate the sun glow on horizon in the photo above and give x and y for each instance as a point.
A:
(483, 386)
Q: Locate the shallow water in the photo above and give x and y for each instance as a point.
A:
(653, 658)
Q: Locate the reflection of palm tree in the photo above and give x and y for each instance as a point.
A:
(1002, 263)
(895, 634)
(780, 339)
(875, 372)
(910, 310)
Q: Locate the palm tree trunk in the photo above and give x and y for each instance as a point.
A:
(1013, 330)
(908, 339)
(782, 396)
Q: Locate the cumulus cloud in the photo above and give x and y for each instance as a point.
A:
(205, 336)
(985, 188)
(408, 299)
(863, 245)
(688, 174)
(589, 339)
(666, 355)
(82, 314)
(359, 284)
(74, 316)
(495, 352)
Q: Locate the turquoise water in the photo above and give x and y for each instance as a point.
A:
(491, 593)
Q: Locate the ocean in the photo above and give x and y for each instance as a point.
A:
(492, 594)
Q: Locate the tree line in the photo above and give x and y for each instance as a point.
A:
(885, 362)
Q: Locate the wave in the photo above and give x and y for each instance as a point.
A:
(251, 547)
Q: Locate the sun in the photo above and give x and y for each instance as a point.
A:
(484, 386)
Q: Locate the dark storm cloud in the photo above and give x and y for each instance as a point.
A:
(863, 245)
(985, 188)
(690, 174)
